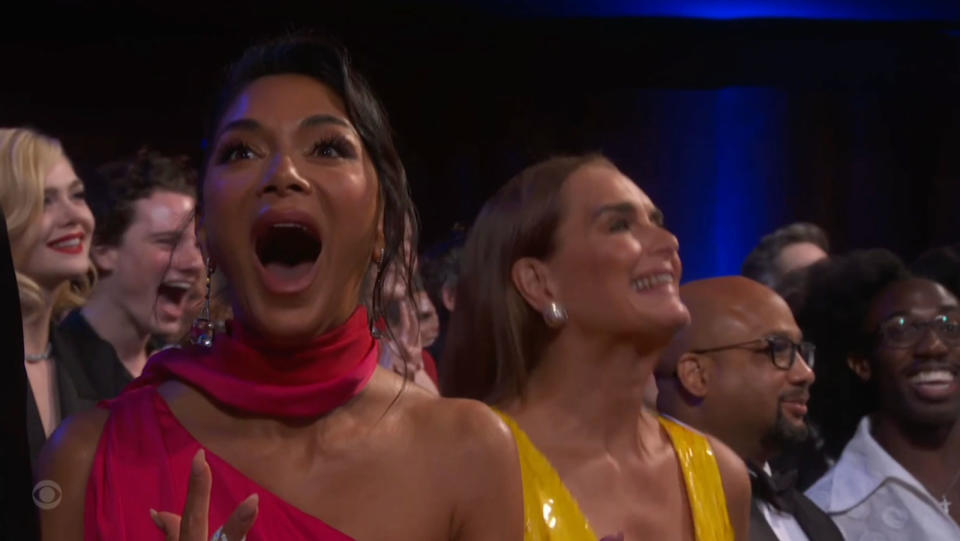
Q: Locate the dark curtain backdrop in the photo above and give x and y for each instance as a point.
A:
(732, 127)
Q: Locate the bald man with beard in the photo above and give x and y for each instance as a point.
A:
(741, 372)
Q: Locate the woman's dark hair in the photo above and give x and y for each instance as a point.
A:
(114, 188)
(328, 63)
(495, 337)
(830, 300)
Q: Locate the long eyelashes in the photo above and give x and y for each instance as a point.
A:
(334, 146)
(234, 151)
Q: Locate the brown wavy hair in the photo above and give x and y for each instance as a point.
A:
(495, 337)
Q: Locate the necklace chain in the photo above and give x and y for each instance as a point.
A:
(40, 357)
(945, 502)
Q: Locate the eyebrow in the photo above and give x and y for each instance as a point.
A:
(247, 124)
(655, 215)
(73, 185)
(167, 234)
(615, 208)
(784, 333)
(319, 120)
(906, 313)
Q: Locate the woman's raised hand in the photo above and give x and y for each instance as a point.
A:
(193, 524)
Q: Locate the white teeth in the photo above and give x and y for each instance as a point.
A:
(933, 376)
(298, 226)
(652, 281)
(67, 243)
(179, 285)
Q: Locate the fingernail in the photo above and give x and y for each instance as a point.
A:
(156, 518)
(198, 460)
(251, 510)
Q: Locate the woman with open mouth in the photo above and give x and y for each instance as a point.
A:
(284, 427)
(50, 227)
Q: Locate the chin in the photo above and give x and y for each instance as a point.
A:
(675, 316)
(169, 329)
(934, 415)
(286, 328)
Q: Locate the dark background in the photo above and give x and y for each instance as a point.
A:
(733, 126)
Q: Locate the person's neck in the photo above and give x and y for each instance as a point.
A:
(592, 387)
(36, 326)
(930, 453)
(112, 324)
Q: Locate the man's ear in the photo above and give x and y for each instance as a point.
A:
(532, 279)
(448, 295)
(860, 367)
(693, 373)
(104, 258)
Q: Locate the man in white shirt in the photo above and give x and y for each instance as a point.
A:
(741, 372)
(897, 478)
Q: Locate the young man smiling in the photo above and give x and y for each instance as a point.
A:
(890, 398)
(148, 262)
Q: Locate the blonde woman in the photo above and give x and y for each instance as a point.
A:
(50, 227)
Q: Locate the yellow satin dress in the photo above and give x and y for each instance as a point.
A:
(551, 513)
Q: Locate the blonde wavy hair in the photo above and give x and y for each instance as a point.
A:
(26, 157)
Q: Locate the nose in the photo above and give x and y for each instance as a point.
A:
(187, 257)
(800, 372)
(659, 240)
(282, 178)
(76, 213)
(931, 344)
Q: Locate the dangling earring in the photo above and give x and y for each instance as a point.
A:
(374, 331)
(202, 331)
(554, 315)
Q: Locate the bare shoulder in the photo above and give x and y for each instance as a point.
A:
(443, 421)
(67, 460)
(474, 454)
(470, 458)
(736, 486)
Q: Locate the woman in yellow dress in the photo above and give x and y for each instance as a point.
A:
(568, 293)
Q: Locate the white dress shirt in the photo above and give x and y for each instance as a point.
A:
(784, 525)
(872, 497)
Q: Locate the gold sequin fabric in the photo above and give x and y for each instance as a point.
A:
(552, 514)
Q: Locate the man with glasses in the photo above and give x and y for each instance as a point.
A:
(742, 372)
(898, 477)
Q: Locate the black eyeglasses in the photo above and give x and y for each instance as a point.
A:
(904, 332)
(783, 351)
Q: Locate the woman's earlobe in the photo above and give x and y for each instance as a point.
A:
(528, 277)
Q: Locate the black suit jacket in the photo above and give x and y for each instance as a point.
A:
(18, 515)
(813, 521)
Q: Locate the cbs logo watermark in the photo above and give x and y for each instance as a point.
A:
(47, 495)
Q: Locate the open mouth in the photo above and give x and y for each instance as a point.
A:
(651, 281)
(68, 244)
(288, 252)
(174, 291)
(934, 382)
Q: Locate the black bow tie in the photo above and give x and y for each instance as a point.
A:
(777, 490)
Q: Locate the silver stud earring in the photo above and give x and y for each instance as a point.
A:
(554, 315)
(203, 329)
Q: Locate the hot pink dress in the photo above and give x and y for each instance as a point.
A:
(144, 455)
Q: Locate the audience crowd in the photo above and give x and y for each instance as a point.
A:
(255, 348)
